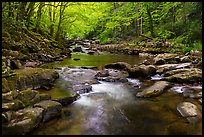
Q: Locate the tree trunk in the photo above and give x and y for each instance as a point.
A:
(21, 11)
(39, 13)
(62, 8)
(30, 10)
(150, 22)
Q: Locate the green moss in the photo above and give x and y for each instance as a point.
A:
(5, 85)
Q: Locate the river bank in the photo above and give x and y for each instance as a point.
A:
(19, 102)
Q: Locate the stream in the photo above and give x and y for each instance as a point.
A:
(112, 108)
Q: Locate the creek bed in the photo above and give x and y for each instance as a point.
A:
(112, 108)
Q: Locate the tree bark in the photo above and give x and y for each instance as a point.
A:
(39, 13)
(30, 10)
(21, 11)
(150, 22)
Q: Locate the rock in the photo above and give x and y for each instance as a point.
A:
(9, 96)
(15, 64)
(12, 105)
(102, 73)
(189, 111)
(24, 121)
(200, 100)
(159, 61)
(190, 75)
(195, 53)
(44, 96)
(146, 62)
(68, 99)
(7, 116)
(29, 97)
(165, 58)
(77, 49)
(52, 109)
(92, 52)
(154, 90)
(192, 92)
(118, 65)
(33, 78)
(80, 89)
(5, 86)
(166, 67)
(33, 48)
(75, 59)
(112, 75)
(185, 59)
(32, 64)
(142, 71)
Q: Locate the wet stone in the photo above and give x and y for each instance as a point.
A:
(52, 109)
(189, 111)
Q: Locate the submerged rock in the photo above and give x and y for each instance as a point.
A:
(154, 90)
(189, 111)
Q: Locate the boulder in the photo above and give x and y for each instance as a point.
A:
(166, 67)
(28, 97)
(9, 96)
(12, 105)
(102, 73)
(77, 49)
(189, 111)
(144, 71)
(52, 109)
(23, 121)
(190, 75)
(33, 78)
(118, 65)
(185, 59)
(165, 58)
(154, 90)
(111, 75)
(67, 100)
(192, 92)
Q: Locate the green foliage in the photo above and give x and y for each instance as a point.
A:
(166, 34)
(109, 21)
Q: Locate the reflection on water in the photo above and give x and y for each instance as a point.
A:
(98, 60)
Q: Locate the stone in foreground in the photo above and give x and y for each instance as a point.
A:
(189, 111)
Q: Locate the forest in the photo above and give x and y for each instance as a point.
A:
(82, 67)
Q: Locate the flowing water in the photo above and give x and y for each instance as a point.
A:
(112, 108)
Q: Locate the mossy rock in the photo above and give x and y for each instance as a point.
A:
(9, 96)
(25, 120)
(12, 105)
(33, 78)
(44, 96)
(29, 97)
(5, 86)
(52, 109)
